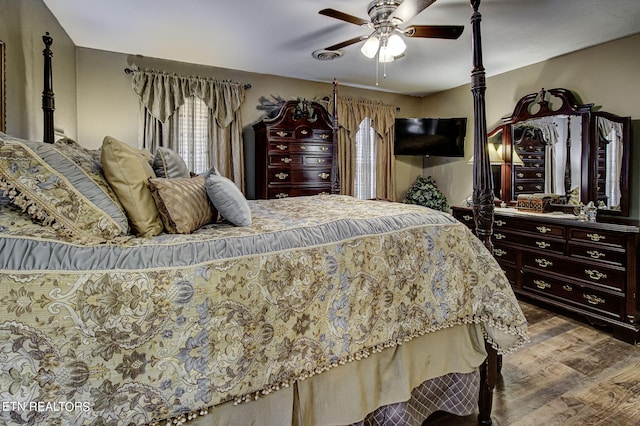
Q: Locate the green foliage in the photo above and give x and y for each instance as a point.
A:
(425, 192)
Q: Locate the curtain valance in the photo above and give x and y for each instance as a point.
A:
(163, 93)
(353, 111)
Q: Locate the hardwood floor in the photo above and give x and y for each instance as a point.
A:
(568, 374)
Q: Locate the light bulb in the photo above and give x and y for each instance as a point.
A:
(395, 45)
(384, 55)
(370, 47)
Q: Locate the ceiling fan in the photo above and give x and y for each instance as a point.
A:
(386, 16)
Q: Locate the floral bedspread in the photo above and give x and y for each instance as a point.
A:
(143, 329)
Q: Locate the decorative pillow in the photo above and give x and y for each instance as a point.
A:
(182, 203)
(168, 164)
(89, 161)
(53, 189)
(127, 171)
(228, 200)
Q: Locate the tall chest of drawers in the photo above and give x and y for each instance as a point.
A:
(590, 269)
(295, 152)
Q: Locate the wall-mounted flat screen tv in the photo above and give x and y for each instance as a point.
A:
(438, 137)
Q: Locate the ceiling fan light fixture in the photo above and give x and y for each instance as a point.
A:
(370, 47)
(385, 55)
(395, 45)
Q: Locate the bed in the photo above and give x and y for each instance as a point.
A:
(370, 313)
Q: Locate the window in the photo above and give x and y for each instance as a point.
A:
(193, 131)
(364, 185)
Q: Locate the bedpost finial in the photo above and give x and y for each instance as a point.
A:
(47, 39)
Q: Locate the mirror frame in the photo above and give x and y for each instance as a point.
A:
(626, 161)
(543, 104)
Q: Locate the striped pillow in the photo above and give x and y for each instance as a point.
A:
(182, 203)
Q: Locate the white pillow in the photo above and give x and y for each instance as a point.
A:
(228, 200)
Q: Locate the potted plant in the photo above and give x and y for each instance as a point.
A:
(425, 192)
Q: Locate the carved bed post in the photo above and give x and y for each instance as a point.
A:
(335, 169)
(48, 104)
(482, 195)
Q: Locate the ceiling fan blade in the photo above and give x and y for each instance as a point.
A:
(332, 13)
(345, 43)
(408, 9)
(434, 31)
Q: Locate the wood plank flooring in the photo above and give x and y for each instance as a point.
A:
(569, 374)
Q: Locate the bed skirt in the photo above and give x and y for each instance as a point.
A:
(402, 385)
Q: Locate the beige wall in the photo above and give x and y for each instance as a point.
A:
(22, 25)
(108, 106)
(606, 75)
(94, 97)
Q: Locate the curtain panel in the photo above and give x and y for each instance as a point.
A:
(161, 94)
(351, 112)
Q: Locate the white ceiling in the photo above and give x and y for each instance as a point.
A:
(278, 36)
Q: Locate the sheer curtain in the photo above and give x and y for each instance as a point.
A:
(351, 113)
(191, 139)
(162, 94)
(364, 185)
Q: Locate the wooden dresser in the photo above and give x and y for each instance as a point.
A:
(295, 152)
(590, 269)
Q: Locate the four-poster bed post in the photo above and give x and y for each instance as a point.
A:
(483, 206)
(48, 103)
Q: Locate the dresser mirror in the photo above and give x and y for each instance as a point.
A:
(556, 146)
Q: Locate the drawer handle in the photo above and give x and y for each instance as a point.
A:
(282, 176)
(499, 252)
(543, 244)
(324, 175)
(538, 175)
(543, 229)
(543, 263)
(596, 237)
(281, 133)
(282, 147)
(567, 287)
(323, 193)
(539, 187)
(541, 284)
(520, 187)
(282, 195)
(594, 300)
(286, 160)
(500, 222)
(303, 147)
(595, 254)
(324, 149)
(319, 160)
(324, 136)
(304, 132)
(594, 274)
(520, 175)
(500, 236)
(467, 217)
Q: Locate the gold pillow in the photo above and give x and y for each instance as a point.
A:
(127, 171)
(183, 203)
